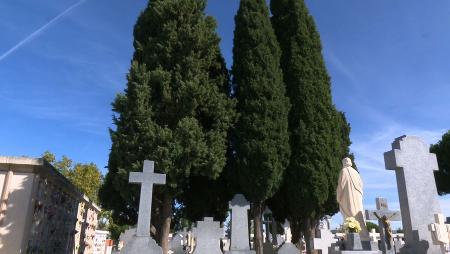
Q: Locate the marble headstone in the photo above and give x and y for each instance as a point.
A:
(325, 240)
(177, 244)
(240, 242)
(288, 247)
(414, 167)
(141, 241)
(208, 234)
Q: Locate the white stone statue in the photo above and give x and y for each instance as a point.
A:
(349, 194)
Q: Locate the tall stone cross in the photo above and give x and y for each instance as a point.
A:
(414, 167)
(147, 179)
(384, 216)
(441, 233)
(239, 223)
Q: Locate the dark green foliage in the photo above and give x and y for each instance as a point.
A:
(261, 137)
(318, 132)
(174, 110)
(371, 225)
(442, 151)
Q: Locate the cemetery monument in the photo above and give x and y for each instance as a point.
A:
(141, 242)
(240, 243)
(414, 167)
(384, 217)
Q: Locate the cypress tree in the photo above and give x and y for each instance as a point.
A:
(317, 130)
(442, 151)
(175, 109)
(261, 137)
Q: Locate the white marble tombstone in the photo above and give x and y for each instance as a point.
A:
(141, 241)
(240, 242)
(288, 247)
(177, 244)
(326, 238)
(414, 167)
(208, 234)
(440, 232)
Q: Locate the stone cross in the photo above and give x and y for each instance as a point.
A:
(239, 223)
(147, 179)
(441, 232)
(414, 167)
(383, 215)
(208, 234)
(373, 235)
(326, 238)
(288, 247)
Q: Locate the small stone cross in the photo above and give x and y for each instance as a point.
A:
(324, 242)
(384, 216)
(441, 232)
(208, 234)
(147, 179)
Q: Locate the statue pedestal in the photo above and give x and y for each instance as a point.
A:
(141, 245)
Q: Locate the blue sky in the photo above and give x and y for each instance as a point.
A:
(63, 61)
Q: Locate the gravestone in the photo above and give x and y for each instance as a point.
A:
(208, 234)
(240, 242)
(383, 215)
(326, 239)
(267, 220)
(141, 242)
(177, 244)
(288, 247)
(414, 167)
(441, 232)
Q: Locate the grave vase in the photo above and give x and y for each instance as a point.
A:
(353, 242)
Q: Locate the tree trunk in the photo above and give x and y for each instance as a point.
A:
(166, 219)
(258, 239)
(310, 234)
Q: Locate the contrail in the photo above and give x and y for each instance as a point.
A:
(40, 30)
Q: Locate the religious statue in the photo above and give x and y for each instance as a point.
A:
(349, 194)
(387, 229)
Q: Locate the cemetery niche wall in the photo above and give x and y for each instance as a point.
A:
(41, 211)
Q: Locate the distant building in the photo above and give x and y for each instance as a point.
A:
(448, 220)
(41, 211)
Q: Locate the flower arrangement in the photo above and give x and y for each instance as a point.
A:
(351, 225)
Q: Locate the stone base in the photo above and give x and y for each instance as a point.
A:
(141, 245)
(288, 248)
(240, 252)
(268, 248)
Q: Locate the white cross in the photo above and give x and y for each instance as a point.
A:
(147, 179)
(441, 232)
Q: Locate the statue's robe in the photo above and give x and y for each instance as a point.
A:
(349, 194)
